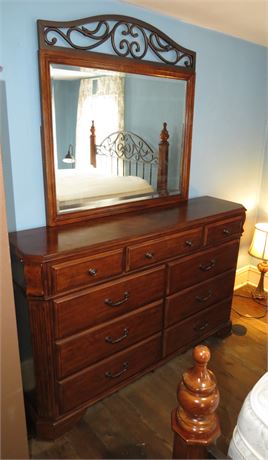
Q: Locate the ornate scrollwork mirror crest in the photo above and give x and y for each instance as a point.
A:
(118, 61)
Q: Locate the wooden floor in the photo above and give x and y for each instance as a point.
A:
(135, 422)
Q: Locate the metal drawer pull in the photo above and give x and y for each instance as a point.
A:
(226, 231)
(92, 272)
(149, 255)
(209, 266)
(201, 328)
(119, 302)
(109, 339)
(189, 243)
(204, 299)
(109, 375)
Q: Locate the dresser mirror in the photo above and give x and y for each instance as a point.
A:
(116, 125)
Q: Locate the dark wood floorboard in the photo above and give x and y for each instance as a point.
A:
(135, 422)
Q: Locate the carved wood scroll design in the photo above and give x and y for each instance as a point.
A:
(128, 37)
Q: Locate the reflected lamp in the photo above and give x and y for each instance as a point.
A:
(69, 157)
(259, 249)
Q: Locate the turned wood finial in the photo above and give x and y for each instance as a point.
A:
(195, 422)
(92, 129)
(164, 135)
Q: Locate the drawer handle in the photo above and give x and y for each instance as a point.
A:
(92, 272)
(226, 231)
(149, 255)
(119, 302)
(202, 327)
(109, 374)
(204, 299)
(109, 339)
(209, 266)
(189, 243)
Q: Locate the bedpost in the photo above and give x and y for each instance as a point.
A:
(194, 422)
(92, 145)
(163, 161)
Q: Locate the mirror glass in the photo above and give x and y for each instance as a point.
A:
(115, 161)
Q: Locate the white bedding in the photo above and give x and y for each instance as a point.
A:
(73, 185)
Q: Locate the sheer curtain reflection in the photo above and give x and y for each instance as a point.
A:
(102, 100)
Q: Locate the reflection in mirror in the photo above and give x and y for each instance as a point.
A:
(106, 130)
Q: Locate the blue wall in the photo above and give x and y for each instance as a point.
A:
(230, 107)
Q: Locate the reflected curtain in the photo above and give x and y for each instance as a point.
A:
(102, 100)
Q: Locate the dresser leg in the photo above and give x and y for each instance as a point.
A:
(225, 330)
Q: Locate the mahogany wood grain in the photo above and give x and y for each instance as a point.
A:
(74, 313)
(153, 251)
(201, 267)
(195, 422)
(88, 347)
(221, 232)
(189, 301)
(196, 327)
(86, 271)
(94, 380)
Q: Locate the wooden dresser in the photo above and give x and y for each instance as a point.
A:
(109, 300)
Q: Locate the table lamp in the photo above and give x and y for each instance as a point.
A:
(69, 157)
(259, 249)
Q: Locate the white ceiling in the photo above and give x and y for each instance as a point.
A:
(246, 19)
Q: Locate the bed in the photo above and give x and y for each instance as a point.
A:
(122, 167)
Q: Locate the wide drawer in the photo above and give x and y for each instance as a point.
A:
(202, 266)
(88, 347)
(189, 301)
(221, 231)
(196, 327)
(87, 385)
(76, 312)
(153, 251)
(86, 270)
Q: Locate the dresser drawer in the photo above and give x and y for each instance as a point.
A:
(202, 266)
(86, 271)
(196, 327)
(88, 347)
(144, 254)
(100, 378)
(192, 300)
(221, 231)
(76, 312)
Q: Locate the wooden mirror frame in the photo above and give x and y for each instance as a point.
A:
(127, 55)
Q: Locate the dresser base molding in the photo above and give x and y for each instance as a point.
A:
(111, 301)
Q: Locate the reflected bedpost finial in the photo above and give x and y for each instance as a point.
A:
(194, 421)
(164, 135)
(92, 129)
(92, 156)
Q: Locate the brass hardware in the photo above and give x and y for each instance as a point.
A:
(189, 243)
(209, 266)
(201, 328)
(92, 272)
(149, 255)
(109, 339)
(118, 302)
(226, 231)
(109, 374)
(204, 299)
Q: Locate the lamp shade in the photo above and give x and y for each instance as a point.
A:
(259, 244)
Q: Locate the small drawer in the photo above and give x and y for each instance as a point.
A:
(100, 378)
(81, 350)
(196, 327)
(222, 231)
(76, 312)
(153, 251)
(189, 301)
(86, 271)
(201, 267)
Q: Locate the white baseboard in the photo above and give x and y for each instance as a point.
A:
(249, 275)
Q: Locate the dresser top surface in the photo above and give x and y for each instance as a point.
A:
(52, 241)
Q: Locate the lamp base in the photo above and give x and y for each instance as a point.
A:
(259, 293)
